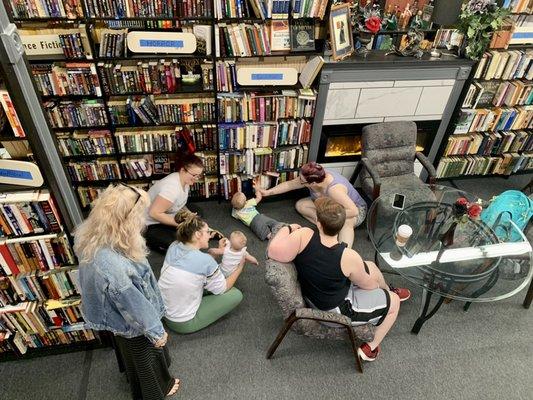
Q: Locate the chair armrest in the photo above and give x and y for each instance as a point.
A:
(374, 175)
(427, 165)
(362, 332)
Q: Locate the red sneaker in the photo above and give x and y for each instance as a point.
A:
(403, 293)
(366, 354)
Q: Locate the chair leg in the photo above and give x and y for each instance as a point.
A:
(529, 296)
(288, 323)
(358, 363)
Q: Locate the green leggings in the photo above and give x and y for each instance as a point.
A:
(212, 308)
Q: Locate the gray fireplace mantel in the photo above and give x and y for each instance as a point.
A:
(382, 88)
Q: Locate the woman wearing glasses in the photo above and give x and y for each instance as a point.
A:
(322, 182)
(189, 273)
(119, 291)
(168, 196)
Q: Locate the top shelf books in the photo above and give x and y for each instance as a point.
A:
(168, 9)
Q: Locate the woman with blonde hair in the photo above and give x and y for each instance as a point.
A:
(119, 291)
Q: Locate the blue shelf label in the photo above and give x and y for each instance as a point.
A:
(15, 173)
(270, 77)
(161, 43)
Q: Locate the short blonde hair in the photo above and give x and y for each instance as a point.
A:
(117, 220)
(238, 234)
(238, 200)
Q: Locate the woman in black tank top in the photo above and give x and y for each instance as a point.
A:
(320, 274)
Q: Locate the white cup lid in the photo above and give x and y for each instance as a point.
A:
(405, 230)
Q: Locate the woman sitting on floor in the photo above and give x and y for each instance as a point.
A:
(119, 291)
(168, 196)
(321, 183)
(187, 272)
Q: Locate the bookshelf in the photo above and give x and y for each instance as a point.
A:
(493, 133)
(124, 116)
(39, 299)
(99, 103)
(264, 131)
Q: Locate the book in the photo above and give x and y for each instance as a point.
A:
(280, 37)
(302, 36)
(310, 71)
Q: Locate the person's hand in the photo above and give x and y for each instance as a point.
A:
(161, 342)
(262, 192)
(253, 260)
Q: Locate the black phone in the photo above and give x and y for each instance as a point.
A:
(398, 201)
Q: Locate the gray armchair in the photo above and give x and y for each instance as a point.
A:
(282, 279)
(387, 162)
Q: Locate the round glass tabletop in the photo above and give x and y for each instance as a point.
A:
(448, 252)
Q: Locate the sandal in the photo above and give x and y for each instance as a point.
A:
(174, 388)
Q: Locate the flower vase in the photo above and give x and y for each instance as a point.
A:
(366, 39)
(447, 238)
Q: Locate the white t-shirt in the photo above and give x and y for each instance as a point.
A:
(231, 259)
(170, 189)
(185, 274)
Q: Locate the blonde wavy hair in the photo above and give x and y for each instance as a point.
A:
(117, 220)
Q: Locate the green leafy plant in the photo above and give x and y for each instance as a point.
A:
(478, 20)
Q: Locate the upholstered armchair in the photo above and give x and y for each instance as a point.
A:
(387, 162)
(282, 279)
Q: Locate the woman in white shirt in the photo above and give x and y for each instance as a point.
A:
(187, 272)
(168, 196)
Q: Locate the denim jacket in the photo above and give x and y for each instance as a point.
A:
(121, 296)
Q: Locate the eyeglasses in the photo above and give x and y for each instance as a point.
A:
(136, 192)
(195, 176)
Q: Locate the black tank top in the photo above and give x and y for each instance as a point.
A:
(320, 274)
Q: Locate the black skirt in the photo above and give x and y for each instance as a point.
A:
(146, 367)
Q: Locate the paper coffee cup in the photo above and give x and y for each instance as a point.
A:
(403, 235)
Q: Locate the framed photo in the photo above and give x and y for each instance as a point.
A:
(340, 30)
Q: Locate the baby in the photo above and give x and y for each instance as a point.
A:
(233, 251)
(245, 211)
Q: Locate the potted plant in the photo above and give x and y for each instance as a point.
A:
(478, 20)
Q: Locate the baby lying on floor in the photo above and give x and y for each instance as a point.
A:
(233, 252)
(245, 211)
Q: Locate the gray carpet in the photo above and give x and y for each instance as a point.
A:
(486, 353)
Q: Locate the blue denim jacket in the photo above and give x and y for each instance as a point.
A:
(121, 296)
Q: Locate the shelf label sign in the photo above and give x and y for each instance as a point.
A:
(15, 172)
(161, 42)
(267, 76)
(39, 45)
(259, 77)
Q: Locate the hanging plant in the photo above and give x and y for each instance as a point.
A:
(478, 20)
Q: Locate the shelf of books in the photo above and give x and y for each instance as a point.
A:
(39, 299)
(494, 131)
(123, 106)
(264, 129)
(121, 113)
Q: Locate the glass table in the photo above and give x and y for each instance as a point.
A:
(448, 254)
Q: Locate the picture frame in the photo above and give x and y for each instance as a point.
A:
(340, 31)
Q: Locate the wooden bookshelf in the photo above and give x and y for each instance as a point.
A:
(103, 29)
(493, 131)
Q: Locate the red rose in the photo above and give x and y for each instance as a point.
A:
(474, 211)
(461, 201)
(373, 24)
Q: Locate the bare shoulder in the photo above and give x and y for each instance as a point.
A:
(350, 261)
